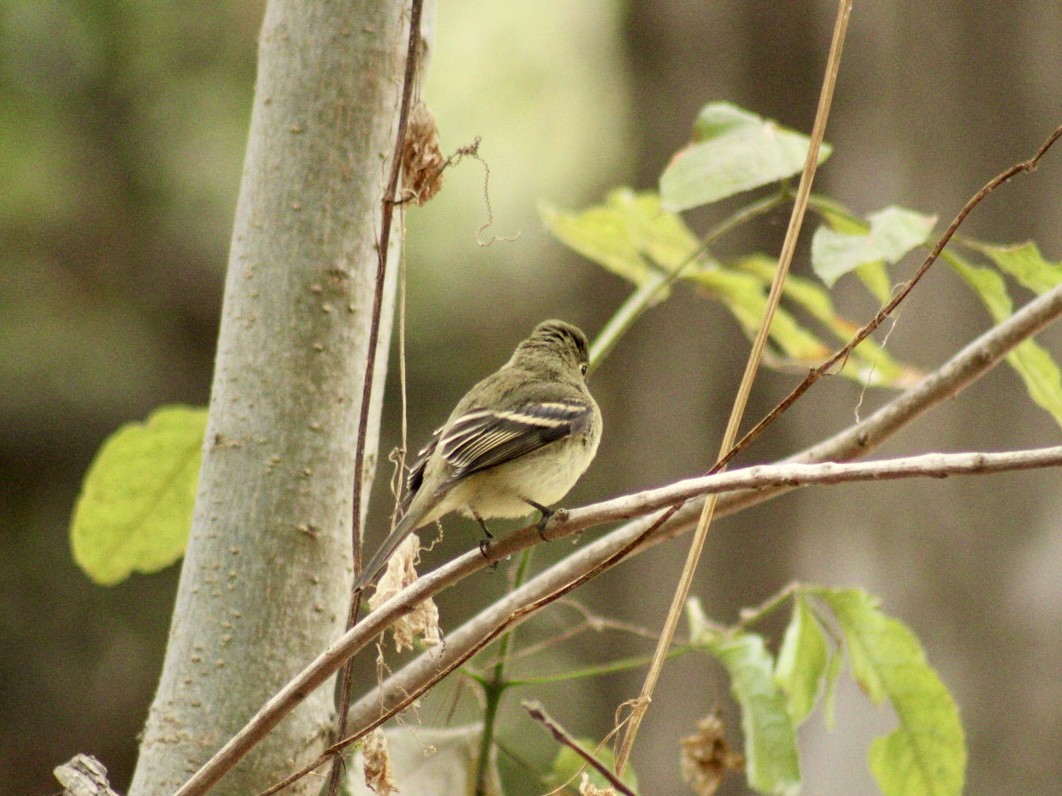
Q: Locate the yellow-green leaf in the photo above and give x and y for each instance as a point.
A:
(802, 661)
(1024, 262)
(135, 506)
(829, 699)
(568, 766)
(660, 235)
(733, 150)
(600, 235)
(744, 296)
(1031, 361)
(926, 753)
(628, 234)
(772, 762)
(868, 364)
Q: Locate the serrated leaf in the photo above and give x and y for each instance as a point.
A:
(1024, 262)
(1031, 361)
(136, 502)
(926, 753)
(801, 661)
(890, 234)
(627, 234)
(600, 235)
(772, 763)
(733, 151)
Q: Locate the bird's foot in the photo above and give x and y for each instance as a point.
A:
(546, 514)
(484, 544)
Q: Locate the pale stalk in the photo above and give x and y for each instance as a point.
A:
(700, 536)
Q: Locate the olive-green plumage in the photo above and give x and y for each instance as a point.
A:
(517, 441)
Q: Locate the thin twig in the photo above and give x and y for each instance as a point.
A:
(842, 353)
(952, 378)
(563, 737)
(551, 586)
(965, 368)
(700, 536)
(346, 676)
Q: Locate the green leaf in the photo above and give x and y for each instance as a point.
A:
(801, 661)
(745, 297)
(837, 216)
(868, 364)
(772, 763)
(840, 219)
(1043, 380)
(829, 699)
(1024, 262)
(135, 506)
(875, 277)
(598, 234)
(733, 151)
(627, 234)
(926, 753)
(890, 234)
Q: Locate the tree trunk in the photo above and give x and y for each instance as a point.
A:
(267, 573)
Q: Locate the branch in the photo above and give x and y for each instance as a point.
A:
(640, 706)
(346, 677)
(404, 688)
(952, 378)
(564, 738)
(841, 354)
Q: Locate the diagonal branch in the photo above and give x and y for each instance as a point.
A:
(408, 685)
(564, 738)
(346, 676)
(965, 368)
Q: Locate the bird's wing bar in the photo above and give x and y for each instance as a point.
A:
(484, 438)
(415, 478)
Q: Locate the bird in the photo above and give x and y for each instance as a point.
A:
(516, 442)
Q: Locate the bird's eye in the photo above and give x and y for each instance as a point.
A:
(582, 368)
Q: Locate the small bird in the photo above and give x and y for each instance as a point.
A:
(517, 441)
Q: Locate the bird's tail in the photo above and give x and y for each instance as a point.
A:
(376, 564)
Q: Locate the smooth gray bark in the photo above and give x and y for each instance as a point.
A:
(267, 573)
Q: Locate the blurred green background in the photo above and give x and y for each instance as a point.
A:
(122, 128)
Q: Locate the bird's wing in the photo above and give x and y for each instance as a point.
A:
(416, 470)
(483, 438)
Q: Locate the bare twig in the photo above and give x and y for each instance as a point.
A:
(700, 536)
(953, 377)
(957, 374)
(842, 353)
(402, 690)
(563, 737)
(386, 218)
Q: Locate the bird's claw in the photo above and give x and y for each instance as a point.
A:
(548, 515)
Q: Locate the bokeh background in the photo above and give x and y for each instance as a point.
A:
(122, 128)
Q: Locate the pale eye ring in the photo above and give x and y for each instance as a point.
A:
(582, 368)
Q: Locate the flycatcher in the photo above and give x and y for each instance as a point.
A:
(517, 441)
